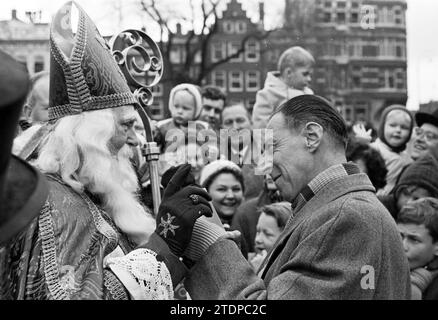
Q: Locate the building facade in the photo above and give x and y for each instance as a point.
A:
(359, 47)
(360, 51)
(28, 42)
(240, 77)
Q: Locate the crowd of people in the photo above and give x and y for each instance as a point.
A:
(298, 217)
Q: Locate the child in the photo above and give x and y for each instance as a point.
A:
(272, 220)
(295, 68)
(418, 180)
(418, 225)
(185, 104)
(393, 135)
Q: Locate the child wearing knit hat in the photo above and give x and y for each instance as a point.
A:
(418, 226)
(394, 133)
(418, 180)
(185, 104)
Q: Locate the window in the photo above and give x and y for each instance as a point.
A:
(356, 75)
(354, 18)
(175, 55)
(327, 17)
(398, 16)
(194, 71)
(157, 90)
(399, 51)
(400, 79)
(361, 111)
(38, 64)
(252, 51)
(370, 50)
(228, 26)
(236, 81)
(197, 58)
(240, 27)
(219, 79)
(218, 51)
(233, 47)
(389, 79)
(252, 80)
(157, 109)
(340, 17)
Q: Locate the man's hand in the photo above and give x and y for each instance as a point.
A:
(183, 203)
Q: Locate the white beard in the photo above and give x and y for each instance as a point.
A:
(114, 181)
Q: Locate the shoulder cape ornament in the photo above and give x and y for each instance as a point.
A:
(84, 75)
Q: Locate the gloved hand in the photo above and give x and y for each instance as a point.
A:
(182, 204)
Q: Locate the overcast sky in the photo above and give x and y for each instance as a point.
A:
(422, 30)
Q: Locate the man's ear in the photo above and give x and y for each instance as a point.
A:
(313, 133)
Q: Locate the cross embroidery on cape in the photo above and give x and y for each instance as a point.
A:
(167, 225)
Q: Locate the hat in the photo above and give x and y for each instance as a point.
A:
(23, 190)
(193, 90)
(423, 117)
(423, 173)
(212, 169)
(84, 75)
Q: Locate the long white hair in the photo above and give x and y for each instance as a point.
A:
(78, 151)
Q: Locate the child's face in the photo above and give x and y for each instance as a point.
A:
(300, 77)
(184, 107)
(268, 232)
(396, 128)
(418, 244)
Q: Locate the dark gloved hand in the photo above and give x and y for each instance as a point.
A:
(182, 204)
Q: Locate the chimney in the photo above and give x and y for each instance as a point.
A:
(178, 28)
(14, 14)
(262, 12)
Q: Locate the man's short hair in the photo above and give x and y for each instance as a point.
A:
(311, 108)
(213, 93)
(422, 211)
(295, 57)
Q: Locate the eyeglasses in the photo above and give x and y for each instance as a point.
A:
(429, 136)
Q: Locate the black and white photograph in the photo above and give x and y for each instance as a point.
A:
(218, 150)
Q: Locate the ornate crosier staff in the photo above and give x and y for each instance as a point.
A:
(129, 48)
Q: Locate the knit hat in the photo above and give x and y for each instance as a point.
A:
(213, 169)
(422, 173)
(194, 91)
(381, 130)
(83, 73)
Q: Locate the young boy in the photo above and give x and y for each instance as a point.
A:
(293, 77)
(418, 225)
(185, 105)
